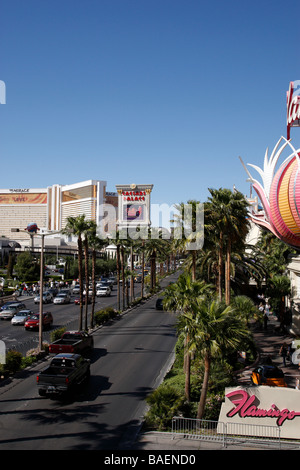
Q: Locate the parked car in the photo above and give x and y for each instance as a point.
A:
(32, 323)
(47, 298)
(21, 317)
(103, 291)
(268, 375)
(62, 299)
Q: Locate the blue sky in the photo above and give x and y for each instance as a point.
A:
(168, 92)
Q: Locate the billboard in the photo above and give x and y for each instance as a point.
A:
(134, 205)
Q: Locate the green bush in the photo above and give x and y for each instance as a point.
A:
(165, 402)
(57, 334)
(13, 362)
(104, 315)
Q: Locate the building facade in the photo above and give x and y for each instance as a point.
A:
(50, 207)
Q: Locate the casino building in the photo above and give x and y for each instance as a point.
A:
(50, 207)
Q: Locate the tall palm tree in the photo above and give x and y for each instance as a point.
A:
(154, 246)
(187, 230)
(76, 226)
(88, 229)
(228, 210)
(213, 328)
(96, 244)
(182, 297)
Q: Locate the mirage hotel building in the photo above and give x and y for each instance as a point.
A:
(50, 207)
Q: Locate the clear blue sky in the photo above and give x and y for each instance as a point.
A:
(168, 92)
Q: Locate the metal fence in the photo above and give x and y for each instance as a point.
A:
(226, 433)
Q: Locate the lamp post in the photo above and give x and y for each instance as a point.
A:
(42, 235)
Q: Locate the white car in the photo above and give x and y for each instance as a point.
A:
(103, 291)
(76, 289)
(47, 298)
(62, 299)
(21, 317)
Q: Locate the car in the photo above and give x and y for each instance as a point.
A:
(47, 298)
(90, 291)
(8, 313)
(62, 298)
(53, 291)
(159, 304)
(77, 300)
(266, 374)
(20, 317)
(32, 323)
(103, 291)
(13, 303)
(76, 289)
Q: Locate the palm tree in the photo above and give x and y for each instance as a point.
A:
(228, 211)
(90, 226)
(244, 307)
(213, 328)
(278, 288)
(97, 244)
(77, 226)
(154, 247)
(186, 230)
(181, 297)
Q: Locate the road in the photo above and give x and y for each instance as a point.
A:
(130, 358)
(14, 336)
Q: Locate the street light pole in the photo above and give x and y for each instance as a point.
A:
(41, 279)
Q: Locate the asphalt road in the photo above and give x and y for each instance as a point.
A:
(130, 358)
(14, 336)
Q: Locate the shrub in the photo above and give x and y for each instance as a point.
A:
(57, 334)
(13, 361)
(104, 315)
(165, 402)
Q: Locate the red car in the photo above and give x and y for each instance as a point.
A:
(33, 321)
(77, 301)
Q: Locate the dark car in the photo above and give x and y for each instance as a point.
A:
(33, 321)
(159, 304)
(268, 375)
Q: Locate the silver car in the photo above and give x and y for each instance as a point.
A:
(62, 299)
(21, 317)
(8, 313)
(47, 298)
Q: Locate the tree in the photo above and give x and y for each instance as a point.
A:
(26, 268)
(278, 288)
(188, 230)
(97, 244)
(154, 246)
(228, 212)
(182, 297)
(213, 328)
(77, 226)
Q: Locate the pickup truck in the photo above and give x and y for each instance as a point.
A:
(65, 372)
(72, 342)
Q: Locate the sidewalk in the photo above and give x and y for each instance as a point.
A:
(268, 343)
